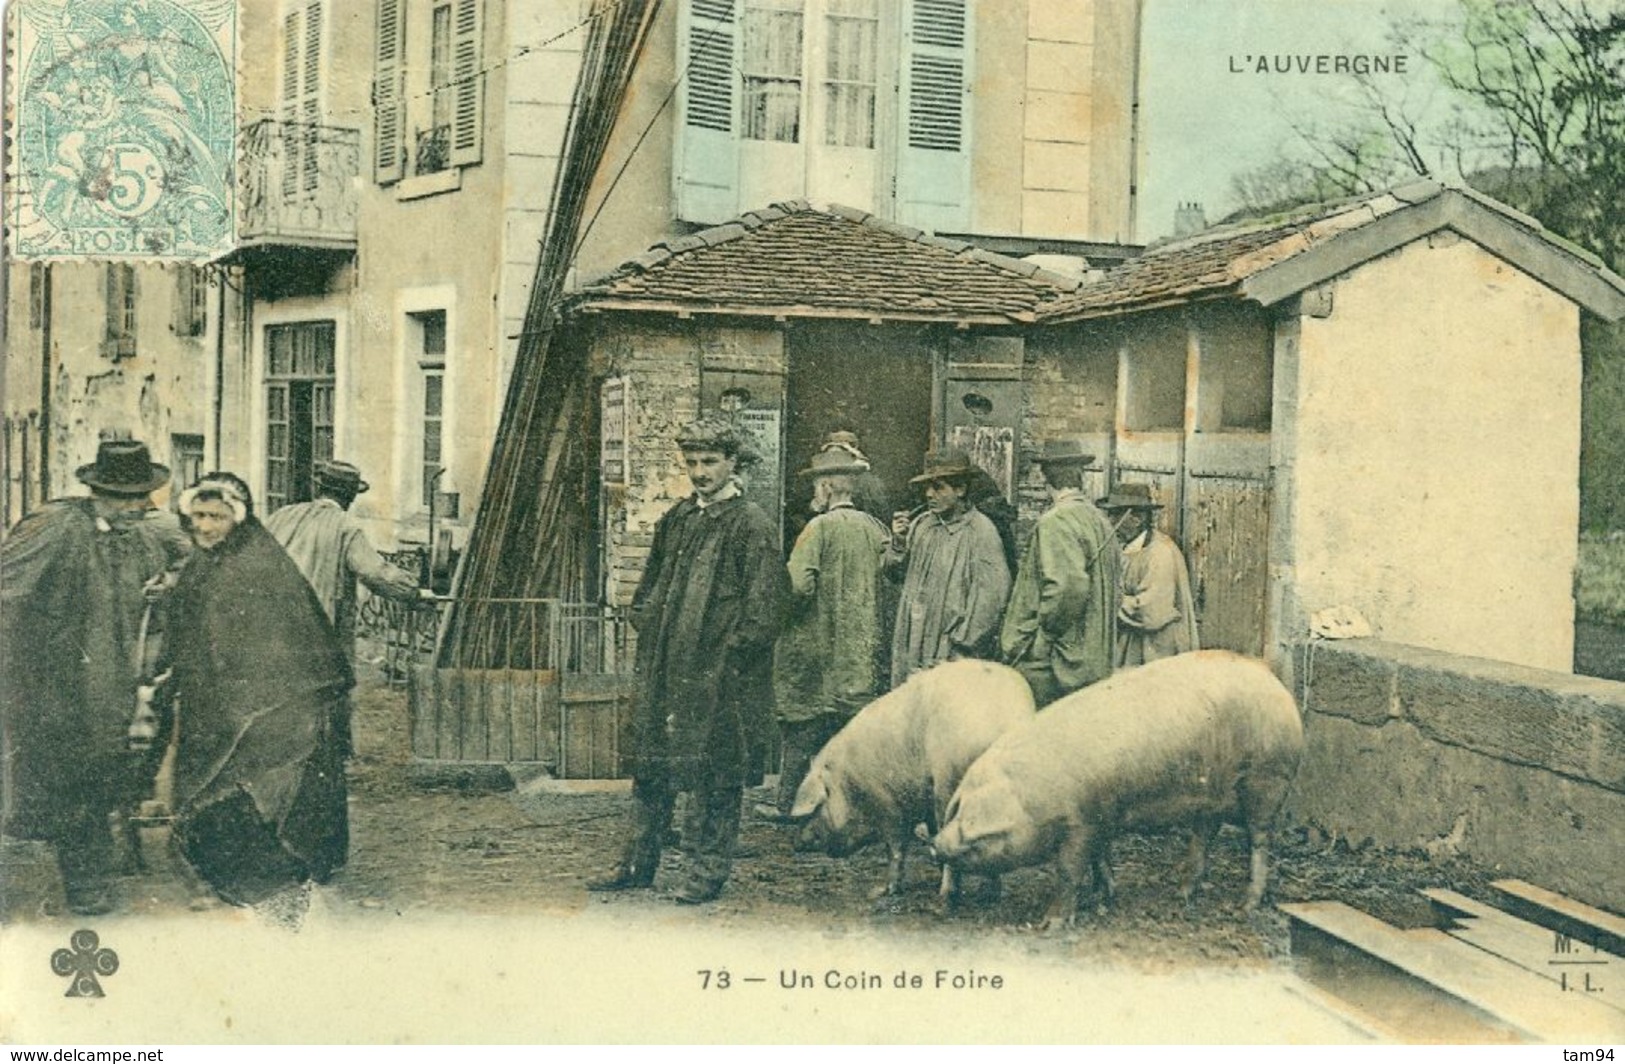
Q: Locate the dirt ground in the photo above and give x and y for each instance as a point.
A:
(451, 849)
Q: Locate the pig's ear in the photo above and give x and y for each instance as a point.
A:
(810, 796)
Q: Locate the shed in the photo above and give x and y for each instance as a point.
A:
(1372, 404)
(800, 321)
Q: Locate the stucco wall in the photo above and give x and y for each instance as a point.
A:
(161, 390)
(1434, 455)
(1521, 769)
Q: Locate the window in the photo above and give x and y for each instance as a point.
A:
(185, 460)
(772, 70)
(298, 408)
(118, 339)
(191, 301)
(846, 79)
(433, 368)
(852, 29)
(434, 144)
(428, 87)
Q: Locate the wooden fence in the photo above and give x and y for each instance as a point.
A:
(551, 684)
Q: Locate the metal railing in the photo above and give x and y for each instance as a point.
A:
(297, 183)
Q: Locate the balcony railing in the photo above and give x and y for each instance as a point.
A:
(298, 184)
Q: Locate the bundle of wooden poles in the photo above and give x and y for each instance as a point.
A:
(531, 533)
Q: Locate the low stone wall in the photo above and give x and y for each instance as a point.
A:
(1521, 769)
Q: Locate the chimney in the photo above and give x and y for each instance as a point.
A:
(1189, 219)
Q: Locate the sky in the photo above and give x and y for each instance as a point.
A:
(1202, 121)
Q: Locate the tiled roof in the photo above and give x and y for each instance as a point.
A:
(1213, 263)
(793, 258)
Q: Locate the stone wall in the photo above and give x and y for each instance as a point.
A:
(1520, 769)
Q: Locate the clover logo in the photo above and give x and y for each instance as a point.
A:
(83, 963)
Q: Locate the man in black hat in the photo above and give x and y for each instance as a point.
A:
(1060, 628)
(332, 549)
(955, 577)
(1157, 617)
(76, 580)
(706, 613)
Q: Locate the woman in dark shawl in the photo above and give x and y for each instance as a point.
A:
(263, 685)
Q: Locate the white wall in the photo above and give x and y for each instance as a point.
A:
(1435, 466)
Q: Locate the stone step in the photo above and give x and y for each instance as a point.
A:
(1530, 946)
(1454, 987)
(1582, 923)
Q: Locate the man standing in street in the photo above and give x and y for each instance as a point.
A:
(1059, 631)
(1157, 618)
(824, 669)
(331, 548)
(955, 577)
(706, 613)
(75, 579)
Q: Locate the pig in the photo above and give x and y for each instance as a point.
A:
(898, 760)
(1193, 740)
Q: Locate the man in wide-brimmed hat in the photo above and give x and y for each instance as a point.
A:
(824, 667)
(955, 578)
(1157, 617)
(332, 549)
(1059, 629)
(76, 577)
(706, 613)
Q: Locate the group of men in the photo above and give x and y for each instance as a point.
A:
(726, 628)
(83, 582)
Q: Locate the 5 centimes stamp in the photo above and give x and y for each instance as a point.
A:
(123, 121)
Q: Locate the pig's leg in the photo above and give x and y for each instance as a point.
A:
(1260, 867)
(1077, 854)
(1202, 835)
(1100, 863)
(897, 846)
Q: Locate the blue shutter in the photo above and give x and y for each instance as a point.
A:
(933, 166)
(705, 168)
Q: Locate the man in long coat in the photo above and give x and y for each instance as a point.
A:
(332, 549)
(1060, 627)
(1156, 617)
(706, 613)
(825, 665)
(74, 577)
(955, 579)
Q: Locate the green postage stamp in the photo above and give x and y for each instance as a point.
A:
(122, 121)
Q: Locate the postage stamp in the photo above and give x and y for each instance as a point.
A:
(123, 125)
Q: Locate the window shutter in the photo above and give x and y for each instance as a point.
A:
(706, 170)
(292, 42)
(115, 303)
(310, 103)
(468, 109)
(388, 103)
(933, 168)
(182, 318)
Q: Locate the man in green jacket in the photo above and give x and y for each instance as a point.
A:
(1060, 629)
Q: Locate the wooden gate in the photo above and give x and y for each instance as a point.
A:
(548, 682)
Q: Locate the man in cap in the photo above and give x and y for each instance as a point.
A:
(706, 613)
(332, 549)
(77, 578)
(1059, 630)
(824, 668)
(955, 578)
(1156, 618)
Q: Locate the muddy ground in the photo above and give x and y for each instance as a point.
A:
(451, 849)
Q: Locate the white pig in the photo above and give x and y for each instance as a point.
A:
(898, 760)
(1195, 740)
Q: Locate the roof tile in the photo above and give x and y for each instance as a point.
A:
(839, 259)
